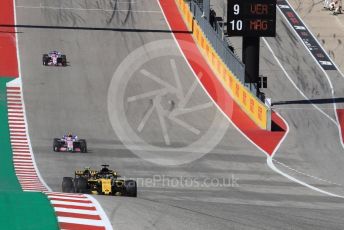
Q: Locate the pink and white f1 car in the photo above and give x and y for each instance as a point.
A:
(54, 58)
(69, 143)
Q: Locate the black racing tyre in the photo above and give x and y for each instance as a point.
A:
(68, 185)
(63, 60)
(130, 188)
(81, 185)
(83, 146)
(56, 145)
(45, 59)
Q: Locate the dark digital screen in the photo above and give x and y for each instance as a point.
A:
(253, 27)
(252, 18)
(252, 8)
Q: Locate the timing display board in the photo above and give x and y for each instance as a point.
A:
(253, 18)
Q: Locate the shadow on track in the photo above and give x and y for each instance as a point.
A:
(313, 101)
(94, 28)
(9, 32)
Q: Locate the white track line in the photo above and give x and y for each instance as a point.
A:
(41, 185)
(274, 168)
(89, 222)
(71, 203)
(305, 174)
(293, 83)
(269, 158)
(67, 198)
(30, 181)
(325, 73)
(77, 211)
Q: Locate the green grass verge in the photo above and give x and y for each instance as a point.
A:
(9, 181)
(18, 209)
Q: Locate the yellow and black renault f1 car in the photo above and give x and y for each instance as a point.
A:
(103, 182)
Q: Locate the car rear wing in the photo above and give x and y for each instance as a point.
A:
(81, 172)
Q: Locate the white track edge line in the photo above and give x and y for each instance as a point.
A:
(101, 212)
(99, 208)
(325, 73)
(269, 159)
(22, 98)
(272, 166)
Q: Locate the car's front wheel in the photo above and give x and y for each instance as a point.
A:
(131, 188)
(81, 185)
(56, 145)
(68, 185)
(83, 146)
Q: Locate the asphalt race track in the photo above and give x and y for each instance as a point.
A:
(125, 73)
(312, 151)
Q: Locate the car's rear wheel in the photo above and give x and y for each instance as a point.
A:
(63, 60)
(131, 188)
(67, 185)
(83, 146)
(81, 185)
(45, 59)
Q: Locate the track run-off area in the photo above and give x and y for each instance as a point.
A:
(137, 88)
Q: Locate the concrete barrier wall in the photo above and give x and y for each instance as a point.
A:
(247, 101)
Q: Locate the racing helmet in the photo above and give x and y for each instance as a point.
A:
(87, 172)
